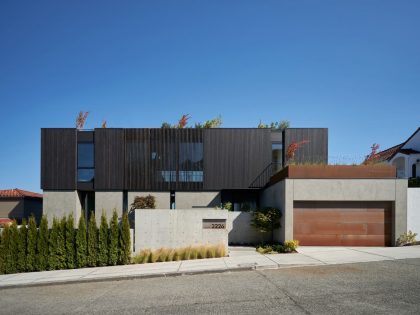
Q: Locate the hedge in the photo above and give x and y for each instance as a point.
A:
(26, 248)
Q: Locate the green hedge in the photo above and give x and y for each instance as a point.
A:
(27, 248)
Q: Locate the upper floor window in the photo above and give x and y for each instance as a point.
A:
(85, 162)
(277, 156)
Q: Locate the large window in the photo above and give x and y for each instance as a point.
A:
(190, 162)
(85, 162)
(277, 156)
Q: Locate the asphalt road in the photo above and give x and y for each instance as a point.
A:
(388, 287)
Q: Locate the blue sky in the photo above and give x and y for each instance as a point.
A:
(350, 66)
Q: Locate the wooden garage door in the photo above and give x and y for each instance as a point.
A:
(342, 223)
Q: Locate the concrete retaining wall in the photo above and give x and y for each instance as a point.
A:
(241, 231)
(413, 210)
(59, 203)
(199, 199)
(156, 228)
(107, 201)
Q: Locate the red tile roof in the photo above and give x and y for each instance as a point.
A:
(18, 193)
(388, 153)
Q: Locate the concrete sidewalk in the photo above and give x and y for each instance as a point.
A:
(239, 259)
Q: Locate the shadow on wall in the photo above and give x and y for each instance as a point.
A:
(241, 232)
(213, 203)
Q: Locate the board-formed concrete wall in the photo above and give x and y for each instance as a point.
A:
(157, 228)
(241, 231)
(163, 198)
(107, 201)
(58, 203)
(413, 210)
(198, 199)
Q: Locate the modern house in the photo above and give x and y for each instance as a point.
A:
(17, 204)
(105, 169)
(404, 156)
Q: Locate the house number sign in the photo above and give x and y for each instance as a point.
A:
(214, 223)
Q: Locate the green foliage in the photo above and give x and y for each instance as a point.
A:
(22, 245)
(61, 244)
(13, 248)
(1, 254)
(212, 123)
(103, 241)
(266, 219)
(113, 240)
(144, 202)
(287, 247)
(406, 238)
(70, 239)
(290, 246)
(125, 241)
(81, 243)
(5, 245)
(31, 245)
(228, 206)
(166, 125)
(92, 241)
(42, 245)
(277, 125)
(53, 245)
(414, 182)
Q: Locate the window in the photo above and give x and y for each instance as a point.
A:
(85, 162)
(190, 162)
(277, 156)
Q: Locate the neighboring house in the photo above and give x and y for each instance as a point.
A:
(404, 156)
(18, 204)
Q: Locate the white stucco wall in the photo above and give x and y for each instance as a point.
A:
(413, 210)
(157, 228)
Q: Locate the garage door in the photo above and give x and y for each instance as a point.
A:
(342, 223)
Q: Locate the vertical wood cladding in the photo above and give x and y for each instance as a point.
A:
(160, 159)
(234, 158)
(58, 158)
(315, 151)
(109, 159)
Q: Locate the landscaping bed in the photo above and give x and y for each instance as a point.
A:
(278, 248)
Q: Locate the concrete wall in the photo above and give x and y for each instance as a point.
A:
(284, 193)
(59, 202)
(199, 199)
(413, 210)
(162, 198)
(12, 209)
(240, 229)
(158, 228)
(107, 201)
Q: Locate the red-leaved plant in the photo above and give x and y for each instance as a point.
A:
(183, 121)
(81, 119)
(373, 156)
(293, 147)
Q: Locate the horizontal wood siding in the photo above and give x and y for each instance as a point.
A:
(234, 158)
(315, 151)
(109, 159)
(58, 159)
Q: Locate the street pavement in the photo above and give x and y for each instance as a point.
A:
(378, 287)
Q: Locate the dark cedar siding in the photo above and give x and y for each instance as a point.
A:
(150, 152)
(234, 158)
(315, 151)
(58, 159)
(109, 159)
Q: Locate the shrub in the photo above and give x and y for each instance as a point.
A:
(228, 206)
(220, 250)
(42, 245)
(144, 202)
(267, 220)
(103, 241)
(81, 243)
(70, 239)
(290, 246)
(125, 241)
(414, 182)
(52, 246)
(1, 254)
(31, 245)
(113, 240)
(61, 244)
(406, 238)
(92, 241)
(5, 245)
(22, 245)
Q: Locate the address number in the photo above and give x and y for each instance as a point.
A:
(214, 224)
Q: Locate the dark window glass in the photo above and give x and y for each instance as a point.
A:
(190, 162)
(85, 155)
(85, 175)
(277, 156)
